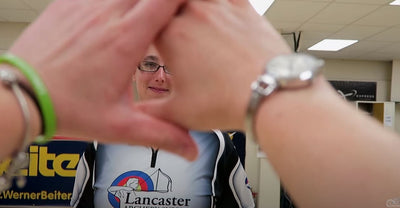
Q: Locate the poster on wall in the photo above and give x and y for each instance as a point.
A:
(355, 91)
(50, 175)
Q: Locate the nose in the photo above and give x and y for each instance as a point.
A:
(160, 75)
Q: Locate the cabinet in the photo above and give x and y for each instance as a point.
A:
(384, 112)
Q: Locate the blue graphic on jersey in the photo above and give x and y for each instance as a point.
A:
(128, 182)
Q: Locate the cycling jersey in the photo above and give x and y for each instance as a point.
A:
(143, 177)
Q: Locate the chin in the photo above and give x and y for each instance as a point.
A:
(157, 96)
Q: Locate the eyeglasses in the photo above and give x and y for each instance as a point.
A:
(149, 66)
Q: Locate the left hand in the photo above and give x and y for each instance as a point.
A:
(85, 52)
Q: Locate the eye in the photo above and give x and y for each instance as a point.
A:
(150, 64)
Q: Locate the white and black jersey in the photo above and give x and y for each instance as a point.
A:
(143, 177)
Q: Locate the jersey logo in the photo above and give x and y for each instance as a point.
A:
(125, 187)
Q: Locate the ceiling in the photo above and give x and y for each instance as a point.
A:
(374, 23)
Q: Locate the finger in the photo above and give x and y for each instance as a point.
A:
(237, 2)
(241, 2)
(160, 108)
(150, 131)
(174, 110)
(142, 24)
(152, 15)
(120, 7)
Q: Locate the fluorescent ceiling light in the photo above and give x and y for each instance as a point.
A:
(396, 2)
(332, 45)
(261, 6)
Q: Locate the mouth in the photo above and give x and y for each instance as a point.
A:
(158, 89)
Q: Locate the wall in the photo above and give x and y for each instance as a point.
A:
(376, 71)
(395, 92)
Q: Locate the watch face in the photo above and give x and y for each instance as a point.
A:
(294, 69)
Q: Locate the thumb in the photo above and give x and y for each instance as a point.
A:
(180, 111)
(147, 130)
(161, 108)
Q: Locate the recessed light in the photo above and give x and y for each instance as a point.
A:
(332, 45)
(396, 3)
(261, 6)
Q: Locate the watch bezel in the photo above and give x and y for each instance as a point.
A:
(294, 70)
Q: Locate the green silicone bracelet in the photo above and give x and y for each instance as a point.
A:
(41, 93)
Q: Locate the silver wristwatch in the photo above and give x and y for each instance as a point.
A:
(283, 72)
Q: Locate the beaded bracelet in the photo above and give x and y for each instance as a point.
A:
(41, 94)
(20, 159)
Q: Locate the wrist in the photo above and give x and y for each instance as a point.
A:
(286, 112)
(13, 128)
(283, 73)
(40, 94)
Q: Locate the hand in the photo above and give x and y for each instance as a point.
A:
(215, 49)
(85, 52)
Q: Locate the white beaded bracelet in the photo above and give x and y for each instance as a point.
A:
(20, 159)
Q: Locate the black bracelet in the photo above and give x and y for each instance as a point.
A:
(35, 100)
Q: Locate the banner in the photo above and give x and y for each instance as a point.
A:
(353, 90)
(50, 175)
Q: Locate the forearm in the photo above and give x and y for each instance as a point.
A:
(11, 124)
(326, 153)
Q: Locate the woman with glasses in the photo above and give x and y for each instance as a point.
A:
(137, 176)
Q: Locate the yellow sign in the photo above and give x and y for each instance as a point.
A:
(39, 160)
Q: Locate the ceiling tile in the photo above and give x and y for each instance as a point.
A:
(17, 15)
(364, 49)
(314, 35)
(392, 48)
(355, 51)
(285, 26)
(365, 46)
(357, 32)
(331, 55)
(342, 13)
(294, 11)
(13, 4)
(385, 16)
(379, 2)
(38, 5)
(391, 35)
(305, 44)
(321, 27)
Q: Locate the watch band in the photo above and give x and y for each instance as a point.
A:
(260, 88)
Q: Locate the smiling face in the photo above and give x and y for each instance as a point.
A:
(152, 85)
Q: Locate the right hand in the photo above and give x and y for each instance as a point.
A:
(215, 49)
